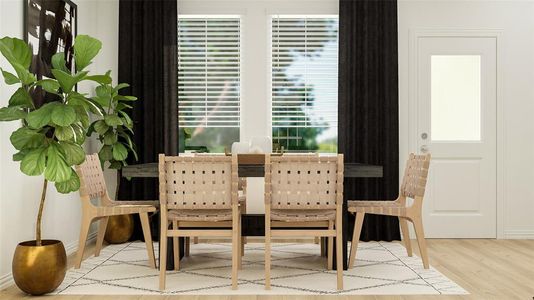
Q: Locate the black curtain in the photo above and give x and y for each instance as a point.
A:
(368, 105)
(148, 62)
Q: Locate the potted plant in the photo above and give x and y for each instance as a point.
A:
(49, 143)
(115, 131)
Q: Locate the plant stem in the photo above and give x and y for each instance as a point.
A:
(40, 214)
(119, 175)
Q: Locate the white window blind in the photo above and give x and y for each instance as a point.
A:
(304, 58)
(209, 63)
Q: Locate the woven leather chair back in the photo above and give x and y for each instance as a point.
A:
(92, 183)
(415, 176)
(305, 181)
(198, 182)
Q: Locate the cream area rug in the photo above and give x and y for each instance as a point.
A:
(297, 269)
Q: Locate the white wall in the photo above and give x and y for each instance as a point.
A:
(516, 20)
(20, 194)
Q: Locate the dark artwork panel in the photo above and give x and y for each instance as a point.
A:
(50, 27)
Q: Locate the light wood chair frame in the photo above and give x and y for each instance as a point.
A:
(93, 185)
(413, 186)
(330, 229)
(228, 229)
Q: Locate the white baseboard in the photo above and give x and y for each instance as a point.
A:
(7, 279)
(519, 234)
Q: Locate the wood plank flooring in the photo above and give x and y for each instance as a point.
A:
(488, 269)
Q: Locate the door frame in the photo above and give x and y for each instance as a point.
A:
(415, 35)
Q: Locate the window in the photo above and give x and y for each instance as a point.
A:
(304, 82)
(209, 81)
(455, 97)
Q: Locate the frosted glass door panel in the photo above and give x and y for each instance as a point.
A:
(455, 97)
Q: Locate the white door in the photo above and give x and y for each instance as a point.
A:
(456, 123)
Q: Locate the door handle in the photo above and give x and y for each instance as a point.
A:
(424, 149)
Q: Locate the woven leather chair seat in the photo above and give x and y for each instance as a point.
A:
(297, 215)
(213, 215)
(377, 207)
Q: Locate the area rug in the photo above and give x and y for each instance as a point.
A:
(297, 269)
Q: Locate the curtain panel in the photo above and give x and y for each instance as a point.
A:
(368, 106)
(148, 62)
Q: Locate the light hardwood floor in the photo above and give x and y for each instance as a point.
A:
(487, 269)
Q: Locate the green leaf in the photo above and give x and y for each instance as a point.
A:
(79, 99)
(9, 77)
(49, 85)
(120, 106)
(41, 116)
(110, 138)
(125, 98)
(119, 152)
(85, 49)
(24, 138)
(120, 86)
(64, 133)
(130, 145)
(24, 74)
(66, 80)
(73, 153)
(126, 119)
(34, 162)
(79, 134)
(20, 155)
(106, 153)
(63, 115)
(59, 63)
(102, 79)
(16, 51)
(21, 98)
(113, 120)
(101, 127)
(81, 115)
(115, 165)
(12, 113)
(71, 185)
(57, 169)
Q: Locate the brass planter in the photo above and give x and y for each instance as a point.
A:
(38, 270)
(120, 229)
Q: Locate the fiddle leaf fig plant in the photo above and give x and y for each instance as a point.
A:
(115, 129)
(49, 141)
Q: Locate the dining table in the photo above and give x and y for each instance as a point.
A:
(254, 224)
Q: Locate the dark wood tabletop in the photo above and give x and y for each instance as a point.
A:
(352, 170)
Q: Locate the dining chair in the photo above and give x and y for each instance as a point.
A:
(304, 191)
(93, 186)
(413, 186)
(198, 197)
(242, 197)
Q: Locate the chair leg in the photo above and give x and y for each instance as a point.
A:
(100, 236)
(148, 239)
(195, 240)
(330, 252)
(420, 233)
(163, 251)
(187, 246)
(406, 235)
(356, 237)
(317, 240)
(241, 244)
(176, 247)
(267, 249)
(235, 248)
(84, 232)
(339, 251)
(322, 242)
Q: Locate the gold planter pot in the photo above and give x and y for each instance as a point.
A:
(38, 270)
(120, 229)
